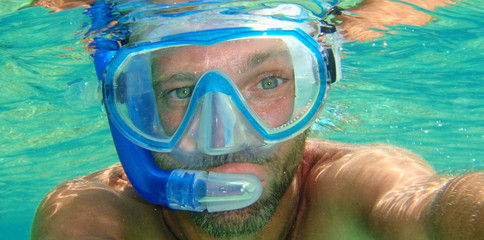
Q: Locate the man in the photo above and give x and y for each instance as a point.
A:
(222, 94)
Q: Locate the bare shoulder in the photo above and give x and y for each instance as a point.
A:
(326, 153)
(344, 169)
(102, 205)
(350, 187)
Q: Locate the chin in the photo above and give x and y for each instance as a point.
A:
(246, 220)
(238, 222)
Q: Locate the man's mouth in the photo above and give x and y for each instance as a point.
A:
(243, 168)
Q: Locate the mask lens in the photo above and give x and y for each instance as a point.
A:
(261, 70)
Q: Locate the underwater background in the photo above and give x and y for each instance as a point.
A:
(420, 88)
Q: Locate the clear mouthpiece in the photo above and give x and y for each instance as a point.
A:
(212, 191)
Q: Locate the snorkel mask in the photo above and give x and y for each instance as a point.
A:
(177, 89)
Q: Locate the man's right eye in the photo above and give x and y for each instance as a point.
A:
(181, 93)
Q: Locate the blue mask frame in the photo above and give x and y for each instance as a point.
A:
(210, 37)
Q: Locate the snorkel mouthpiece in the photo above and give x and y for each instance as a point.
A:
(212, 191)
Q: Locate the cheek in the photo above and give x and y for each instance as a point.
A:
(170, 120)
(275, 112)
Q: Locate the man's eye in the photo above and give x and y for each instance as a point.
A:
(271, 82)
(181, 93)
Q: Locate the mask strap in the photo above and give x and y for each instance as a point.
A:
(331, 64)
(327, 27)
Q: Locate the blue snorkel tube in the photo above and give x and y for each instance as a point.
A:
(178, 189)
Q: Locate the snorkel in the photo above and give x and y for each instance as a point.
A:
(178, 189)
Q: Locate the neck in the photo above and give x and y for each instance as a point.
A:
(278, 227)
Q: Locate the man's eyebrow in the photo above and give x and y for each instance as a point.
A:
(177, 77)
(252, 61)
(260, 57)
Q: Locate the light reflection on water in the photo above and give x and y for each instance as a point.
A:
(421, 89)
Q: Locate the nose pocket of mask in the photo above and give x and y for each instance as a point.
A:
(219, 130)
(216, 125)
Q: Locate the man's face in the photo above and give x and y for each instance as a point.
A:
(262, 71)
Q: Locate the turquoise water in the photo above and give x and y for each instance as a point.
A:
(421, 88)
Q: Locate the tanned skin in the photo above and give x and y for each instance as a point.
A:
(341, 191)
(363, 22)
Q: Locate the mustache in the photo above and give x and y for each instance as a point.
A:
(200, 161)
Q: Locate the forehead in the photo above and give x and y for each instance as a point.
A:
(232, 57)
(237, 46)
